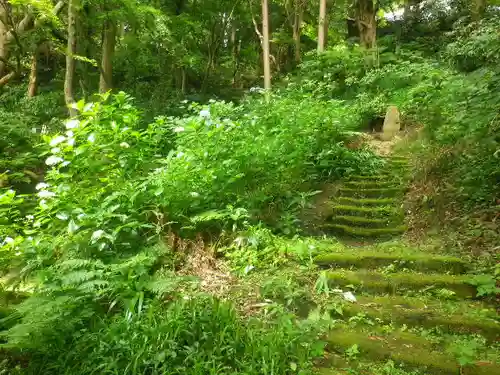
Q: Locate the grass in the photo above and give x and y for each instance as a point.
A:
(372, 260)
(396, 283)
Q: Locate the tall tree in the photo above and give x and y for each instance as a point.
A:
(298, 16)
(321, 26)
(478, 9)
(70, 57)
(366, 12)
(265, 45)
(108, 50)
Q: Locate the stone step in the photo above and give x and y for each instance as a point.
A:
(356, 232)
(371, 193)
(365, 222)
(371, 184)
(367, 201)
(374, 177)
(399, 282)
(373, 212)
(464, 317)
(405, 349)
(373, 260)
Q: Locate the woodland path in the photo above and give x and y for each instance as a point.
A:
(414, 308)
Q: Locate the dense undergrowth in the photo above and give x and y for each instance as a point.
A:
(101, 291)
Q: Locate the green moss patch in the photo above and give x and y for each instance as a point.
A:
(362, 221)
(370, 184)
(396, 283)
(364, 232)
(372, 260)
(370, 193)
(429, 314)
(404, 349)
(375, 212)
(366, 201)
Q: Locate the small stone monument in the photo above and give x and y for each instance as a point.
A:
(392, 124)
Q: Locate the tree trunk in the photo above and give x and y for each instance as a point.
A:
(478, 9)
(33, 82)
(236, 46)
(108, 51)
(3, 40)
(367, 26)
(265, 45)
(70, 60)
(297, 29)
(183, 80)
(321, 26)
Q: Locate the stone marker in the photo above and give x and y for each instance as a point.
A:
(392, 124)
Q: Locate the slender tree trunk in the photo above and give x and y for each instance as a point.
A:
(108, 51)
(265, 45)
(321, 26)
(3, 39)
(297, 29)
(478, 9)
(70, 60)
(236, 46)
(183, 80)
(33, 82)
(367, 26)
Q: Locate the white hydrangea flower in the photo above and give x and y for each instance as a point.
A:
(124, 145)
(205, 113)
(91, 138)
(53, 160)
(41, 186)
(46, 194)
(194, 194)
(178, 129)
(72, 124)
(59, 139)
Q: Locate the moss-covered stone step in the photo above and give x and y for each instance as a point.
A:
(365, 222)
(399, 282)
(450, 316)
(373, 260)
(351, 201)
(356, 232)
(371, 184)
(371, 193)
(373, 212)
(370, 177)
(405, 349)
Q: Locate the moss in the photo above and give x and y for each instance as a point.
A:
(370, 193)
(415, 312)
(366, 201)
(362, 221)
(397, 282)
(372, 260)
(375, 177)
(379, 212)
(369, 184)
(404, 349)
(365, 232)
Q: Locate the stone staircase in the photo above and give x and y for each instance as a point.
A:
(369, 206)
(413, 308)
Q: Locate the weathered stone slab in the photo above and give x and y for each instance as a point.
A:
(392, 124)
